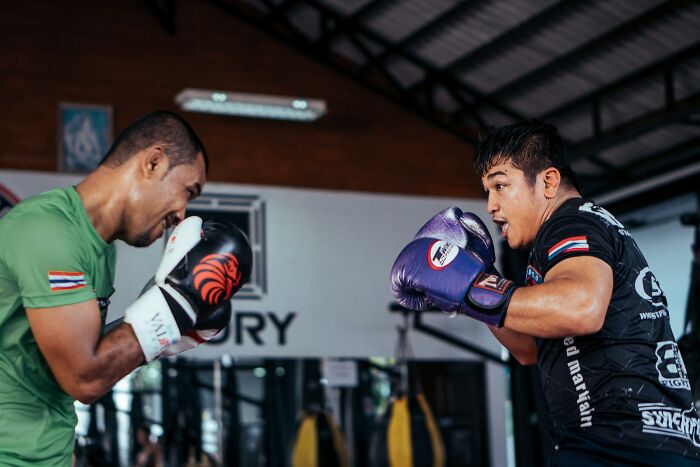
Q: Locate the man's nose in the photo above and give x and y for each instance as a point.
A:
(179, 216)
(491, 204)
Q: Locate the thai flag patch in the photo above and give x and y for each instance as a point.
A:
(63, 280)
(568, 245)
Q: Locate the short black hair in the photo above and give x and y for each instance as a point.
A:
(180, 142)
(531, 146)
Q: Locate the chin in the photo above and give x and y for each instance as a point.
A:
(141, 243)
(520, 244)
(514, 243)
(144, 240)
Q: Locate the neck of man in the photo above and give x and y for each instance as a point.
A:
(104, 194)
(562, 196)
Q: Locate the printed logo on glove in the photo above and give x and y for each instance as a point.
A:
(441, 254)
(216, 277)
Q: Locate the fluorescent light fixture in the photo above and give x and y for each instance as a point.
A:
(250, 105)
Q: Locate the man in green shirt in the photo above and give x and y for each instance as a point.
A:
(57, 262)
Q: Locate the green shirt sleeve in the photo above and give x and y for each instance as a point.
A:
(49, 261)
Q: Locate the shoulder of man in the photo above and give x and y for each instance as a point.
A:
(46, 254)
(38, 224)
(56, 201)
(577, 228)
(589, 209)
(583, 213)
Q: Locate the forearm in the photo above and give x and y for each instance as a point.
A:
(555, 309)
(521, 346)
(117, 354)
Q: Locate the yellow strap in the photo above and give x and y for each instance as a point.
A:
(433, 432)
(399, 442)
(338, 442)
(305, 452)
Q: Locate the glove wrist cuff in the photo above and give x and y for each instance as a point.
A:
(153, 323)
(488, 299)
(506, 302)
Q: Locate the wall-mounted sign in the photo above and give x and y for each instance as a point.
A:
(84, 136)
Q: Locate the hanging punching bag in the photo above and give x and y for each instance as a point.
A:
(319, 442)
(408, 435)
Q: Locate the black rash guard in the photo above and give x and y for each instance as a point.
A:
(626, 383)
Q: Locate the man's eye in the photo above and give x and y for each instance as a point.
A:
(499, 186)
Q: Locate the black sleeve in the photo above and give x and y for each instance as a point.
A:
(569, 235)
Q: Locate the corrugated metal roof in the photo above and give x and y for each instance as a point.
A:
(632, 102)
(476, 27)
(639, 149)
(444, 100)
(585, 168)
(306, 19)
(621, 79)
(687, 78)
(405, 72)
(346, 49)
(665, 36)
(575, 126)
(258, 4)
(584, 22)
(400, 19)
(347, 7)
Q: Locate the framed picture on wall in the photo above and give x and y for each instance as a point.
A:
(84, 136)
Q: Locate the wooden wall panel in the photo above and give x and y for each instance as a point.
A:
(117, 53)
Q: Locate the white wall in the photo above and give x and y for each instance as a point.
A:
(666, 244)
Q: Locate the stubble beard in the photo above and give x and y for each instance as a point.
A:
(142, 240)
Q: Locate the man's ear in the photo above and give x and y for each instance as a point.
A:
(154, 163)
(552, 182)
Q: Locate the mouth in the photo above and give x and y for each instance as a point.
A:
(504, 227)
(164, 225)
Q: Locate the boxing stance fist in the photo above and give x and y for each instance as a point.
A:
(204, 264)
(204, 329)
(450, 263)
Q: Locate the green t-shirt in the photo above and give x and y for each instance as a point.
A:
(50, 255)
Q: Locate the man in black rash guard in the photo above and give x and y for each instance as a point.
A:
(593, 316)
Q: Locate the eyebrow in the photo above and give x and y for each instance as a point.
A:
(495, 174)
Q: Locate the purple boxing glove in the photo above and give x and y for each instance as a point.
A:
(468, 232)
(465, 230)
(452, 278)
(435, 270)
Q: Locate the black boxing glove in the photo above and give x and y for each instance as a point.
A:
(204, 264)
